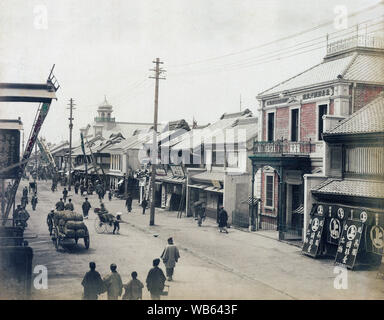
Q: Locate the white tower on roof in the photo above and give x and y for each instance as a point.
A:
(104, 112)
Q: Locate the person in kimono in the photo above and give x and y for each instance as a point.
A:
(170, 256)
(113, 284)
(92, 283)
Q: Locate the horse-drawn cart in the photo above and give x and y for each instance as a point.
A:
(69, 225)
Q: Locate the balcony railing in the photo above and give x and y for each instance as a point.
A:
(284, 147)
(354, 42)
(105, 119)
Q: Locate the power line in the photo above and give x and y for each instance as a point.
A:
(275, 41)
(263, 58)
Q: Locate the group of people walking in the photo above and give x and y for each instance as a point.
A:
(113, 285)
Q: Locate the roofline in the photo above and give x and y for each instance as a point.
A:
(297, 89)
(353, 137)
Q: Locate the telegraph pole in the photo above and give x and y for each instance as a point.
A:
(71, 107)
(158, 71)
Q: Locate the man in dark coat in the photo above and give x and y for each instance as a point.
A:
(86, 206)
(128, 202)
(223, 219)
(34, 202)
(77, 186)
(155, 280)
(92, 283)
(60, 205)
(144, 204)
(82, 189)
(65, 194)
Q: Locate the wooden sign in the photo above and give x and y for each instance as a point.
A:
(349, 243)
(314, 231)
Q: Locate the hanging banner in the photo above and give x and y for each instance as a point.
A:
(9, 152)
(349, 243)
(314, 231)
(335, 219)
(375, 235)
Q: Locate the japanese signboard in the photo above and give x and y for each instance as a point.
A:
(9, 152)
(160, 171)
(349, 243)
(177, 171)
(319, 93)
(314, 231)
(335, 219)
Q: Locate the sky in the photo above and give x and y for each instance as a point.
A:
(215, 52)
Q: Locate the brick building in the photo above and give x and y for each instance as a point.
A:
(291, 131)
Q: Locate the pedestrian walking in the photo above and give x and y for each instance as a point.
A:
(109, 195)
(77, 186)
(223, 220)
(170, 257)
(24, 201)
(16, 214)
(50, 220)
(34, 202)
(92, 283)
(144, 204)
(116, 223)
(155, 280)
(200, 214)
(133, 289)
(65, 194)
(86, 206)
(25, 192)
(113, 283)
(82, 189)
(60, 205)
(69, 205)
(128, 202)
(22, 218)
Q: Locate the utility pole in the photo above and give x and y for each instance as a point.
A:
(157, 77)
(71, 107)
(36, 166)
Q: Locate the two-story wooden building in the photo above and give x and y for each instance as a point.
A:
(291, 127)
(351, 191)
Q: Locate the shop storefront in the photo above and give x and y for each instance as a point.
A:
(347, 217)
(207, 187)
(351, 235)
(171, 183)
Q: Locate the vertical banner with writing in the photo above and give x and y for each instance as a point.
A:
(349, 243)
(314, 231)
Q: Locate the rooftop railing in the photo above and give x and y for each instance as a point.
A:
(354, 42)
(105, 119)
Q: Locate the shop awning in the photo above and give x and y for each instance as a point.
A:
(206, 187)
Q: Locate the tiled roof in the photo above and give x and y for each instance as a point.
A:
(357, 67)
(369, 119)
(349, 187)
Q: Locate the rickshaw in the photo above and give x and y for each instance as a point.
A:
(104, 223)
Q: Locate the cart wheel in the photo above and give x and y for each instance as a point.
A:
(109, 227)
(86, 242)
(99, 226)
